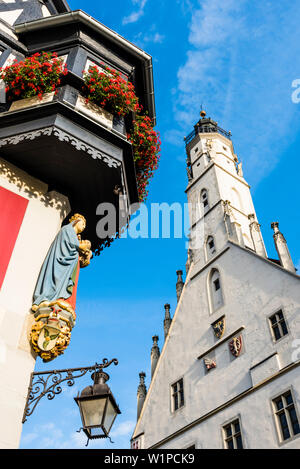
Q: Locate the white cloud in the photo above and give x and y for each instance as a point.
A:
(152, 36)
(135, 15)
(174, 137)
(124, 429)
(158, 38)
(215, 22)
(240, 69)
(29, 438)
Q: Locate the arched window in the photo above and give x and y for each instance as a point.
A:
(236, 199)
(215, 290)
(204, 200)
(210, 247)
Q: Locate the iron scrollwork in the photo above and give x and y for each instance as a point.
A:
(48, 383)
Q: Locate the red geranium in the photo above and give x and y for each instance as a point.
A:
(33, 76)
(109, 90)
(146, 148)
(106, 88)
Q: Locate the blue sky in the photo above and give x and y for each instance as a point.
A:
(237, 59)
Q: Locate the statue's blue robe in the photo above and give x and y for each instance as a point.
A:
(57, 273)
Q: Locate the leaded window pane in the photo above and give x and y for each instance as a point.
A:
(239, 443)
(294, 420)
(230, 444)
(284, 426)
(279, 404)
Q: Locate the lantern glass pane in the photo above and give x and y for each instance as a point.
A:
(92, 411)
(109, 416)
(96, 431)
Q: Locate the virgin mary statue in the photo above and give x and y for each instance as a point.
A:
(59, 274)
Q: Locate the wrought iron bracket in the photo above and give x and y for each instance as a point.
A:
(48, 383)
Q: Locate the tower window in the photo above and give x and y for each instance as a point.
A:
(278, 325)
(210, 247)
(215, 290)
(177, 395)
(204, 200)
(232, 435)
(286, 416)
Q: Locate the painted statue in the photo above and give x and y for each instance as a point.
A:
(54, 298)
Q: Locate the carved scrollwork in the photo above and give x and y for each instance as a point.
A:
(62, 136)
(49, 383)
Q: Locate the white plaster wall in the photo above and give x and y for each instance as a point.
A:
(256, 418)
(42, 221)
(253, 289)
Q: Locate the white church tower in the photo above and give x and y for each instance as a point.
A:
(228, 374)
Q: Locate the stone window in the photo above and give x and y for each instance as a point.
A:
(232, 435)
(278, 325)
(204, 200)
(210, 247)
(177, 395)
(215, 290)
(286, 417)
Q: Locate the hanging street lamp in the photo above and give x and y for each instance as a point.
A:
(98, 408)
(97, 405)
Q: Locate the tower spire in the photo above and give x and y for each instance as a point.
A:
(179, 284)
(167, 320)
(256, 236)
(155, 354)
(141, 393)
(282, 248)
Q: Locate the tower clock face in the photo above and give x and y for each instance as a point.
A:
(20, 11)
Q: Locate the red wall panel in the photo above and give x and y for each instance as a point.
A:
(12, 211)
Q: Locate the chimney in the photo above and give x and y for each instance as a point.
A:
(141, 393)
(282, 248)
(256, 236)
(179, 284)
(167, 320)
(155, 353)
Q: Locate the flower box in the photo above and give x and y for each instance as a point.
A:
(95, 112)
(30, 102)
